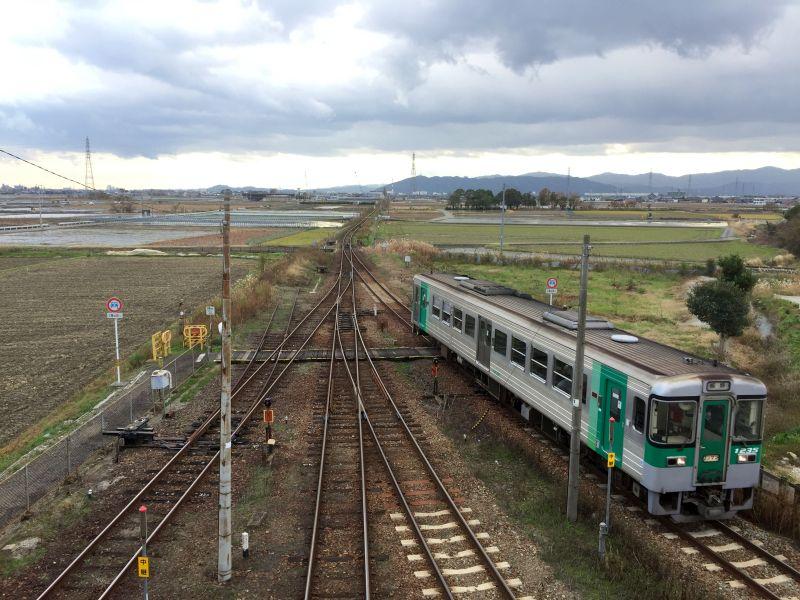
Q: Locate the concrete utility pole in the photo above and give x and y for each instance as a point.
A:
(503, 219)
(224, 566)
(577, 391)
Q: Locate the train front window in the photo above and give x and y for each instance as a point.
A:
(747, 424)
(672, 422)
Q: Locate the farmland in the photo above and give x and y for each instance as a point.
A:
(452, 233)
(306, 237)
(690, 244)
(57, 338)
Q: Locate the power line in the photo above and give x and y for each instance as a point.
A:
(89, 187)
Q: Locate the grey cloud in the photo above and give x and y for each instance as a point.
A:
(528, 32)
(189, 106)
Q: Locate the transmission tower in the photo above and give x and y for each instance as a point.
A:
(413, 173)
(88, 180)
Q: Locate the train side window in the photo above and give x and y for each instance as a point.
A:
(585, 389)
(615, 409)
(539, 363)
(469, 326)
(458, 318)
(518, 349)
(436, 311)
(446, 308)
(500, 342)
(562, 376)
(639, 412)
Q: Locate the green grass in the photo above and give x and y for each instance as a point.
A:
(785, 316)
(462, 233)
(644, 303)
(687, 251)
(303, 238)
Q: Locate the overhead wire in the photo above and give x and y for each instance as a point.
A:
(33, 164)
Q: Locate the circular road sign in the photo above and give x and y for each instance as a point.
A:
(552, 283)
(114, 304)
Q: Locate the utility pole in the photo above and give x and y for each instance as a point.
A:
(577, 391)
(224, 567)
(503, 219)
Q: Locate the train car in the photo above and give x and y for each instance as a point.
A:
(686, 431)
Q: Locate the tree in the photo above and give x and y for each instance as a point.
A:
(733, 270)
(723, 306)
(544, 197)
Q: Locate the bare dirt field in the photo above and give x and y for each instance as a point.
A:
(56, 335)
(239, 237)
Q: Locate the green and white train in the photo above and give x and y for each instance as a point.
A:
(686, 431)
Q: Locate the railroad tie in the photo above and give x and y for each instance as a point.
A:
(469, 589)
(725, 547)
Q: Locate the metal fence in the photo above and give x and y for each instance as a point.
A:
(28, 480)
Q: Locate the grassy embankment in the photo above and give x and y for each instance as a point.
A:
(695, 244)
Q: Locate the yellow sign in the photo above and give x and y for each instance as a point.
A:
(155, 343)
(612, 460)
(144, 567)
(194, 335)
(166, 340)
(161, 343)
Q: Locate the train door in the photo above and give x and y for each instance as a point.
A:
(484, 341)
(613, 389)
(713, 440)
(421, 305)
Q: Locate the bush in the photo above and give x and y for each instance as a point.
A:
(711, 267)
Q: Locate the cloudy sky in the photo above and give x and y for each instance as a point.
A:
(282, 93)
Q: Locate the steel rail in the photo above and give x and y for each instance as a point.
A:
(214, 459)
(395, 483)
(421, 453)
(189, 442)
(381, 285)
(326, 418)
(258, 347)
(721, 561)
(364, 516)
(761, 552)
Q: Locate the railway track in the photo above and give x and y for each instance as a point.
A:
(437, 531)
(747, 561)
(107, 560)
(338, 563)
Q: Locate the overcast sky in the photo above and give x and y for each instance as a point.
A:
(279, 93)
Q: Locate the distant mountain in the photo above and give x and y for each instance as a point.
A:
(524, 183)
(763, 181)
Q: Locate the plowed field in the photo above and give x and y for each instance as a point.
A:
(55, 334)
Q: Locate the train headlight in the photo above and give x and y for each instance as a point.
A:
(745, 458)
(676, 461)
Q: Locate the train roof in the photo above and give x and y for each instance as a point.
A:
(651, 356)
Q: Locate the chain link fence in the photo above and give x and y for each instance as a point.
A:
(25, 482)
